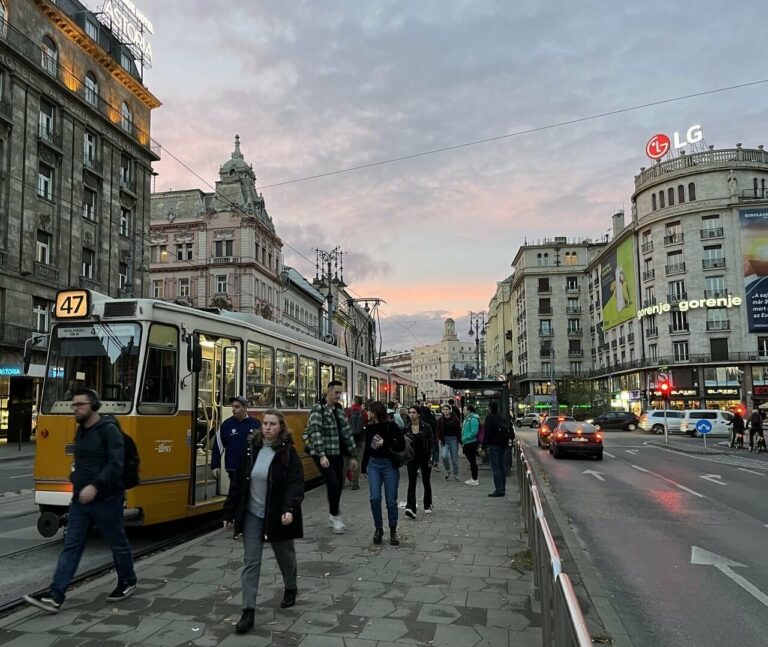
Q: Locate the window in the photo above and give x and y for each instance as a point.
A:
(40, 310)
(45, 120)
(182, 289)
(575, 368)
(677, 290)
(545, 327)
(160, 254)
(45, 182)
(650, 296)
(125, 170)
(184, 252)
(691, 192)
(126, 118)
(221, 283)
(680, 351)
(43, 253)
(91, 88)
(574, 347)
(223, 248)
(671, 196)
(546, 368)
(574, 326)
(3, 18)
(122, 276)
(681, 194)
(762, 347)
(717, 319)
(715, 287)
(652, 352)
(259, 377)
(125, 221)
(287, 393)
(661, 200)
(543, 286)
(710, 222)
(89, 260)
(572, 305)
(650, 326)
(571, 258)
(89, 204)
(674, 233)
(544, 307)
(158, 393)
(158, 289)
(653, 202)
(49, 56)
(89, 149)
(713, 251)
(675, 262)
(571, 283)
(92, 29)
(679, 321)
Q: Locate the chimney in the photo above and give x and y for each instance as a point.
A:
(618, 223)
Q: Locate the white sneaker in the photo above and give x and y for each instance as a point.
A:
(337, 525)
(428, 510)
(471, 482)
(410, 513)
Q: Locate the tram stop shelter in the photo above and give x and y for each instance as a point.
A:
(479, 393)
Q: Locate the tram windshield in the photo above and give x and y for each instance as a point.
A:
(104, 357)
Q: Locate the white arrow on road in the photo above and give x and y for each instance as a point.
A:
(714, 478)
(723, 564)
(632, 451)
(597, 475)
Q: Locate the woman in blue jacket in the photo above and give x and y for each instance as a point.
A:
(469, 432)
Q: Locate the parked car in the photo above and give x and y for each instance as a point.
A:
(653, 421)
(530, 420)
(547, 427)
(623, 420)
(576, 438)
(722, 421)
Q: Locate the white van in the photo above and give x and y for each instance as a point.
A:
(653, 421)
(722, 421)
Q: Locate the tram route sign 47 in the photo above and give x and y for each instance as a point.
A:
(660, 144)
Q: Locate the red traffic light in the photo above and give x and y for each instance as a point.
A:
(664, 387)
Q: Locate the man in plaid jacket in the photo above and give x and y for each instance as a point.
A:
(328, 439)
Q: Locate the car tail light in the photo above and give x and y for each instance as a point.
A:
(561, 435)
(560, 419)
(599, 437)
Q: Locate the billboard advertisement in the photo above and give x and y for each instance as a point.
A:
(754, 251)
(618, 287)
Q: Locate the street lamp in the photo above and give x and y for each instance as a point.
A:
(477, 319)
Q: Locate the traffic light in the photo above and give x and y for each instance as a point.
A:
(665, 387)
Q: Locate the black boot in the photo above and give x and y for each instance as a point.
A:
(246, 621)
(377, 535)
(289, 598)
(393, 540)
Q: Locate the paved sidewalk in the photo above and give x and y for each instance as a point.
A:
(11, 452)
(687, 445)
(450, 583)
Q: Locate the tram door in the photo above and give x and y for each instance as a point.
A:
(216, 383)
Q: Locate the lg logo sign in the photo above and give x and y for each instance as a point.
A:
(658, 145)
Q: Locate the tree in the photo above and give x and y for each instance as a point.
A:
(576, 392)
(221, 302)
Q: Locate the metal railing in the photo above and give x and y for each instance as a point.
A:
(562, 621)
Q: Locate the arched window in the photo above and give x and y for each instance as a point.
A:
(126, 118)
(691, 192)
(661, 200)
(680, 194)
(91, 89)
(653, 201)
(49, 57)
(671, 196)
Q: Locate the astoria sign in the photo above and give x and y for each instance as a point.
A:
(660, 144)
(691, 304)
(129, 23)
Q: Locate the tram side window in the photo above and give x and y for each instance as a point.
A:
(259, 379)
(287, 395)
(362, 385)
(326, 375)
(340, 375)
(373, 394)
(308, 390)
(160, 388)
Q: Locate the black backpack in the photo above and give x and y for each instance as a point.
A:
(131, 458)
(356, 425)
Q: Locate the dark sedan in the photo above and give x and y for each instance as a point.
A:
(576, 438)
(547, 427)
(622, 420)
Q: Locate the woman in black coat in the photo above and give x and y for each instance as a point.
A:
(264, 504)
(423, 439)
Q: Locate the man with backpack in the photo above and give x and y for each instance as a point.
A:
(98, 495)
(355, 418)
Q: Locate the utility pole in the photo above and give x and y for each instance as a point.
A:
(329, 273)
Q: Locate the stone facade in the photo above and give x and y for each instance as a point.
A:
(401, 361)
(75, 172)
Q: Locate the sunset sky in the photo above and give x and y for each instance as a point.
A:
(318, 87)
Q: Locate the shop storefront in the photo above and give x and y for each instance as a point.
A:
(18, 395)
(680, 398)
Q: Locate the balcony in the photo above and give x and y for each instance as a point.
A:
(89, 283)
(678, 330)
(575, 332)
(546, 352)
(614, 343)
(14, 335)
(573, 310)
(647, 247)
(223, 260)
(3, 258)
(631, 337)
(677, 268)
(715, 294)
(544, 290)
(719, 325)
(622, 341)
(46, 272)
(575, 352)
(713, 263)
(711, 232)
(572, 289)
(649, 302)
(92, 164)
(49, 136)
(677, 297)
(673, 239)
(127, 184)
(545, 333)
(6, 110)
(545, 313)
(649, 274)
(652, 332)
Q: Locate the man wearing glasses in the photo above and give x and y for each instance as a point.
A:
(98, 496)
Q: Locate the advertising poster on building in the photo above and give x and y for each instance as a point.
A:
(754, 250)
(617, 286)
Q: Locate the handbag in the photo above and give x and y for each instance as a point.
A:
(407, 453)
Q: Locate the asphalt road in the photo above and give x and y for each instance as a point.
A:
(16, 475)
(678, 539)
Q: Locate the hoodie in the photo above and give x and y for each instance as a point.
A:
(470, 428)
(98, 460)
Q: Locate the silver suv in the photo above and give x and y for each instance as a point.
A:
(531, 420)
(653, 421)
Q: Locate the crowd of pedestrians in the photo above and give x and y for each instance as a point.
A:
(266, 479)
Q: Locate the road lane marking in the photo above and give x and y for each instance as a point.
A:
(687, 489)
(713, 478)
(597, 475)
(664, 478)
(632, 451)
(744, 469)
(20, 476)
(642, 469)
(607, 454)
(724, 565)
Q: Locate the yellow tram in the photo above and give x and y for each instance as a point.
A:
(166, 372)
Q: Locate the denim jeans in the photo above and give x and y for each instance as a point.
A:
(253, 547)
(382, 472)
(334, 480)
(450, 453)
(107, 515)
(496, 457)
